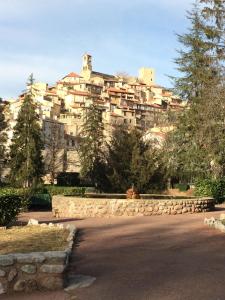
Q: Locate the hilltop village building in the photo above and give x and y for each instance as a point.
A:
(134, 101)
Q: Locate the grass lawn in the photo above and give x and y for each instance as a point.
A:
(24, 239)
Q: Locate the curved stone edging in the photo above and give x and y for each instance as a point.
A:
(64, 206)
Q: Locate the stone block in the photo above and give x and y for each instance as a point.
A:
(178, 207)
(20, 286)
(25, 285)
(51, 283)
(6, 260)
(149, 209)
(2, 289)
(32, 222)
(12, 274)
(30, 269)
(2, 273)
(56, 256)
(33, 257)
(55, 269)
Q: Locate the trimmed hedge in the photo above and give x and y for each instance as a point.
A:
(41, 201)
(10, 207)
(7, 191)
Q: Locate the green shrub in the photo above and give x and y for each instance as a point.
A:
(65, 190)
(211, 188)
(41, 200)
(12, 191)
(218, 190)
(56, 190)
(39, 189)
(203, 188)
(10, 206)
(78, 191)
(183, 187)
(105, 196)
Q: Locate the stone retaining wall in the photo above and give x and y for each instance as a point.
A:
(64, 206)
(35, 271)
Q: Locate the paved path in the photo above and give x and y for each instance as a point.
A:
(145, 258)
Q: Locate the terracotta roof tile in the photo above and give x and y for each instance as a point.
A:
(72, 74)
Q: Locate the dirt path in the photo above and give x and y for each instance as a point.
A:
(146, 258)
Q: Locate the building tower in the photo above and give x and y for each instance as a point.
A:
(147, 76)
(86, 66)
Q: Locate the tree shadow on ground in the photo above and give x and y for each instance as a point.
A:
(177, 259)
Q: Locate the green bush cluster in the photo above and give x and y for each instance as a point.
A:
(41, 200)
(211, 188)
(12, 201)
(78, 191)
(8, 191)
(183, 187)
(218, 190)
(65, 190)
(203, 188)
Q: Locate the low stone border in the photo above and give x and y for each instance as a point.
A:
(36, 270)
(215, 223)
(75, 207)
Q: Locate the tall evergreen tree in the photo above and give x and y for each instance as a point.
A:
(26, 160)
(91, 148)
(148, 173)
(195, 148)
(131, 161)
(119, 158)
(194, 61)
(213, 11)
(3, 136)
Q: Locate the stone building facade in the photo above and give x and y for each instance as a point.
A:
(135, 101)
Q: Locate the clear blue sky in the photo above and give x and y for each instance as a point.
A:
(48, 38)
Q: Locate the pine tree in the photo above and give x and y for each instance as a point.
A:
(147, 167)
(131, 161)
(91, 148)
(119, 158)
(213, 12)
(3, 136)
(196, 147)
(26, 160)
(194, 62)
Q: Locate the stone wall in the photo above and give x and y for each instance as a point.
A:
(25, 272)
(64, 206)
